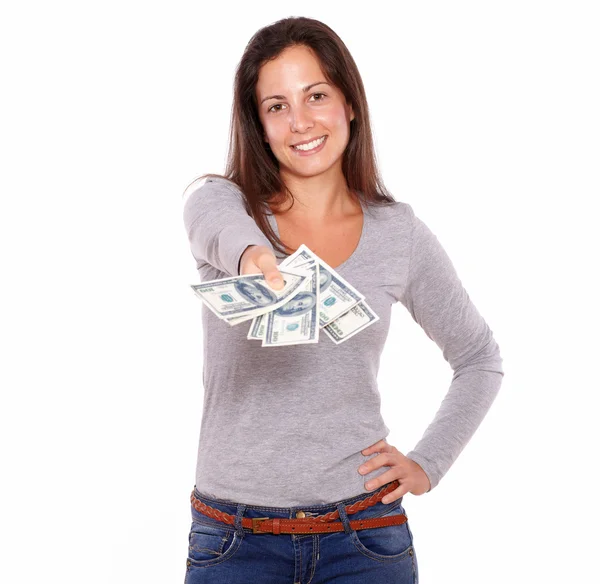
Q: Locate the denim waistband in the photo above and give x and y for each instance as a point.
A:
(236, 508)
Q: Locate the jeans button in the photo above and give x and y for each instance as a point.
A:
(300, 514)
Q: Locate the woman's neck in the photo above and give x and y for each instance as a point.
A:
(318, 199)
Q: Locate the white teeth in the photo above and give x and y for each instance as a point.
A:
(310, 145)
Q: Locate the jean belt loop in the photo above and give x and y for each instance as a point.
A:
(344, 517)
(241, 508)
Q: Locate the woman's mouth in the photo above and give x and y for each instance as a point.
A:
(310, 148)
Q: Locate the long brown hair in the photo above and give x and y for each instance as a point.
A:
(251, 164)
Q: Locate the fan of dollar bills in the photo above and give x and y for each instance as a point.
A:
(314, 297)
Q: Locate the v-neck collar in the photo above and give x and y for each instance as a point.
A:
(357, 249)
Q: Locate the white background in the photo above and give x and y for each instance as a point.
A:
(486, 120)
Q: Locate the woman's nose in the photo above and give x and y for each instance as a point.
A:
(300, 120)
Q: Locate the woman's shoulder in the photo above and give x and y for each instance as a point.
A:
(395, 211)
(212, 195)
(210, 184)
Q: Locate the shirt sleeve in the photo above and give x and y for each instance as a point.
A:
(438, 302)
(218, 226)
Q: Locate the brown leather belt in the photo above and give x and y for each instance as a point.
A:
(320, 524)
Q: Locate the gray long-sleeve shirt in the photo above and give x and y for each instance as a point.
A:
(285, 426)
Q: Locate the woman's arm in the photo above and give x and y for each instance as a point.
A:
(219, 228)
(436, 299)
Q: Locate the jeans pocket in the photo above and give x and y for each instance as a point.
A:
(392, 543)
(210, 544)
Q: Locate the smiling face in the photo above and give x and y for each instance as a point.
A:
(295, 104)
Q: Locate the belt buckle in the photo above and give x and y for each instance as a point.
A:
(255, 521)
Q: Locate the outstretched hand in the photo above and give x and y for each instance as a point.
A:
(257, 259)
(411, 476)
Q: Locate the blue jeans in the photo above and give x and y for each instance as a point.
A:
(220, 553)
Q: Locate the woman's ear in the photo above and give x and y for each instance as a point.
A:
(351, 111)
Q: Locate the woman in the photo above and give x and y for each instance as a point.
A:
(295, 481)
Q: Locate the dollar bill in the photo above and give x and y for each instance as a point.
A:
(297, 321)
(336, 295)
(249, 295)
(303, 325)
(337, 313)
(299, 259)
(358, 318)
(314, 296)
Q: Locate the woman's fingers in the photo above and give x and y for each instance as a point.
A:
(248, 262)
(258, 259)
(267, 262)
(376, 462)
(380, 446)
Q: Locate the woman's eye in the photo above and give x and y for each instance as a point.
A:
(279, 104)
